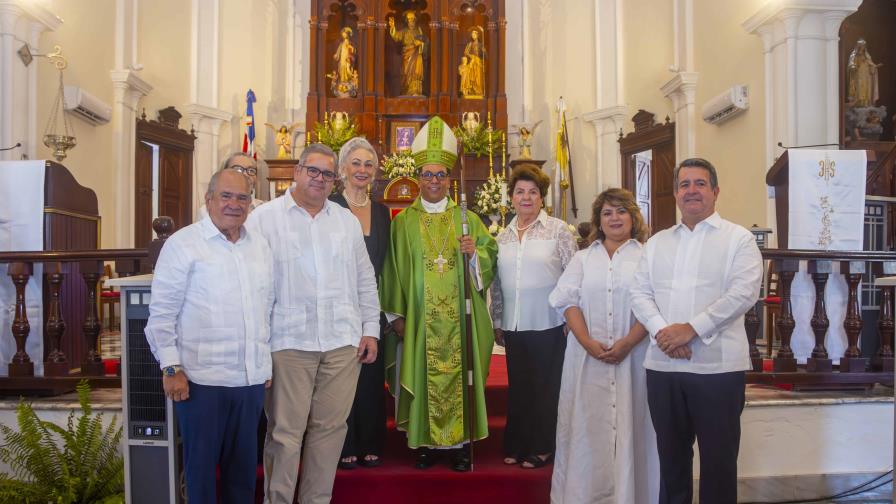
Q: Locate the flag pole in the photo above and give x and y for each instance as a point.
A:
(572, 185)
(469, 416)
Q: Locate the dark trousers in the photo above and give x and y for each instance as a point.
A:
(685, 406)
(218, 427)
(367, 420)
(534, 369)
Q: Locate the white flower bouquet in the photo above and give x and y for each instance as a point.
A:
(399, 164)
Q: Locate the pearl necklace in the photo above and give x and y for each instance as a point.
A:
(520, 229)
(355, 203)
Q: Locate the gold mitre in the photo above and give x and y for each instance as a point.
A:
(435, 143)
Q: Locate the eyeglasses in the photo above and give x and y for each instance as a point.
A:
(246, 170)
(314, 172)
(429, 175)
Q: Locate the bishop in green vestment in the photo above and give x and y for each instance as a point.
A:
(423, 287)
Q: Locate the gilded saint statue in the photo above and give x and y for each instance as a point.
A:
(283, 139)
(472, 66)
(413, 50)
(345, 78)
(862, 77)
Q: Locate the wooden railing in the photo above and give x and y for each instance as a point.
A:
(854, 369)
(58, 376)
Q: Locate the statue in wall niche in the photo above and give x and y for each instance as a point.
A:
(472, 67)
(344, 79)
(413, 51)
(470, 121)
(862, 88)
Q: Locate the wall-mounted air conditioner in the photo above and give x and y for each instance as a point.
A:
(726, 105)
(86, 106)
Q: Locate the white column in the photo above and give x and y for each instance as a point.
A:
(206, 123)
(607, 122)
(205, 116)
(800, 40)
(127, 90)
(21, 23)
(611, 111)
(682, 87)
(682, 90)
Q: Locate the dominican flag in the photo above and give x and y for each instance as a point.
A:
(249, 135)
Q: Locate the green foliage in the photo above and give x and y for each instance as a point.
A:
(78, 464)
(335, 137)
(477, 141)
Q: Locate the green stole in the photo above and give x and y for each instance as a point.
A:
(431, 396)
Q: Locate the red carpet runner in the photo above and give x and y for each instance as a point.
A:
(398, 482)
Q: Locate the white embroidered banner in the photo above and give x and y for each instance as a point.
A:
(827, 206)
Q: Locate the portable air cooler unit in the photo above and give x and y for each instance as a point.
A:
(152, 473)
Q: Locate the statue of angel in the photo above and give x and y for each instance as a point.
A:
(283, 139)
(525, 141)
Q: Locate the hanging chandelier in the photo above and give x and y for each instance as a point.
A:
(59, 142)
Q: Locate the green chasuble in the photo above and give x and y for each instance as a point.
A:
(426, 288)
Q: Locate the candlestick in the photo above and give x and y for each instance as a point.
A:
(455, 191)
(504, 153)
(488, 132)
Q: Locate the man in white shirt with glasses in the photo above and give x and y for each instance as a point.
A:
(325, 324)
(692, 287)
(212, 294)
(243, 163)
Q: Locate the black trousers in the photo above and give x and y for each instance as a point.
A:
(685, 406)
(367, 419)
(534, 368)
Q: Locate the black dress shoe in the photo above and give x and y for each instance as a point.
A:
(425, 458)
(461, 462)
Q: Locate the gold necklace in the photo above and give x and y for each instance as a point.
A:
(355, 203)
(440, 261)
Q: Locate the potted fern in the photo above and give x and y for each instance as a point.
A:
(77, 464)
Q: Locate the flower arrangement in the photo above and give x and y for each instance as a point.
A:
(478, 139)
(334, 135)
(491, 196)
(399, 164)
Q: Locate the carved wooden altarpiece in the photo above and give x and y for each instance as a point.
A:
(446, 26)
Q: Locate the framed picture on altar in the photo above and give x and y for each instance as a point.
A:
(403, 133)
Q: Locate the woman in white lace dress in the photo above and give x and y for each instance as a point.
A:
(533, 250)
(606, 446)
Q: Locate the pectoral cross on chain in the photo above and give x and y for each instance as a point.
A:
(440, 263)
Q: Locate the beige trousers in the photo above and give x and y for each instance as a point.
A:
(311, 396)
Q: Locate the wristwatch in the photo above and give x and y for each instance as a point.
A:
(171, 370)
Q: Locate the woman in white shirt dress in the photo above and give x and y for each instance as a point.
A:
(532, 252)
(606, 446)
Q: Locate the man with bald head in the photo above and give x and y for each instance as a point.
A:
(208, 327)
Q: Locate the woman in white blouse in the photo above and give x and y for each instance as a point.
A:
(532, 252)
(606, 446)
